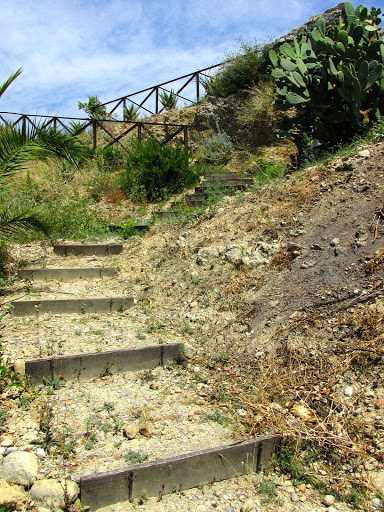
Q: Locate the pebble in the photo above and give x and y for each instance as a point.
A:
(40, 452)
(294, 497)
(376, 503)
(6, 443)
(328, 500)
(348, 391)
(11, 449)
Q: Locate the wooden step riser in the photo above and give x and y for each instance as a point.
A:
(177, 473)
(67, 306)
(87, 250)
(66, 274)
(94, 365)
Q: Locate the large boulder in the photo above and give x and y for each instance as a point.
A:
(11, 496)
(52, 493)
(19, 468)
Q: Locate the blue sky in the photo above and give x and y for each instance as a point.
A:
(71, 49)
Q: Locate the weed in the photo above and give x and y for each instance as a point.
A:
(8, 376)
(265, 171)
(135, 457)
(268, 489)
(52, 384)
(216, 416)
(214, 148)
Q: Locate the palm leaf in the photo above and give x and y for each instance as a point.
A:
(14, 221)
(9, 80)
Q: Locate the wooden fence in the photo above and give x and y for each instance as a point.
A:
(142, 99)
(77, 125)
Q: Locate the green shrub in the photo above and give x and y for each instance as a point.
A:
(111, 158)
(168, 99)
(263, 170)
(131, 113)
(94, 108)
(214, 148)
(243, 70)
(334, 76)
(154, 171)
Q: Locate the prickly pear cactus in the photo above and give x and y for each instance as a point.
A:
(335, 75)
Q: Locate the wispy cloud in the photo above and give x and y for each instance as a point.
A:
(74, 48)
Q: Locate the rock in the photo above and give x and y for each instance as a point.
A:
(11, 496)
(234, 256)
(52, 493)
(348, 391)
(248, 506)
(19, 366)
(130, 432)
(40, 452)
(294, 497)
(308, 264)
(145, 430)
(364, 153)
(377, 479)
(378, 403)
(19, 468)
(331, 509)
(7, 442)
(376, 504)
(328, 500)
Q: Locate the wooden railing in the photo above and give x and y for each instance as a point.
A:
(148, 100)
(95, 126)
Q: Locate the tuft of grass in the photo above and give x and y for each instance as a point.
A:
(135, 457)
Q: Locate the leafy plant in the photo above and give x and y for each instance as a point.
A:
(130, 113)
(214, 148)
(242, 70)
(334, 76)
(8, 376)
(94, 108)
(135, 457)
(215, 416)
(168, 99)
(263, 170)
(154, 171)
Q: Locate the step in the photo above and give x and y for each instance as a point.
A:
(87, 249)
(178, 473)
(98, 364)
(66, 273)
(63, 306)
(227, 180)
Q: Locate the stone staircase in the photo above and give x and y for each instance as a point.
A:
(113, 373)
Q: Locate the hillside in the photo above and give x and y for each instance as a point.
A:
(277, 294)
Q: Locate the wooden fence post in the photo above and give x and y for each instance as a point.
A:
(55, 124)
(94, 129)
(157, 100)
(197, 86)
(124, 107)
(186, 139)
(139, 132)
(24, 127)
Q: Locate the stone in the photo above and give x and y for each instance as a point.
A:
(130, 432)
(248, 506)
(377, 479)
(52, 493)
(294, 497)
(376, 504)
(234, 256)
(308, 264)
(19, 468)
(328, 500)
(145, 430)
(348, 391)
(11, 496)
(7, 442)
(364, 153)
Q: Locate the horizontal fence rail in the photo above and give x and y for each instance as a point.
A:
(148, 101)
(77, 125)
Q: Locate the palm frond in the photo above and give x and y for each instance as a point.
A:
(14, 221)
(7, 83)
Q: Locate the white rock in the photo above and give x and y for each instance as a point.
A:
(11, 495)
(377, 479)
(328, 500)
(40, 452)
(7, 442)
(348, 391)
(19, 468)
(51, 493)
(376, 504)
(365, 153)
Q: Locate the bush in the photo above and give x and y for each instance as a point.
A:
(243, 70)
(153, 171)
(214, 148)
(94, 108)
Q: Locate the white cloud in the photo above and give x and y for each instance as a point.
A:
(74, 48)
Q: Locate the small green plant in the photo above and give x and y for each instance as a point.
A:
(140, 336)
(53, 384)
(263, 170)
(135, 457)
(267, 490)
(216, 416)
(127, 228)
(131, 113)
(214, 148)
(8, 376)
(243, 69)
(168, 99)
(94, 108)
